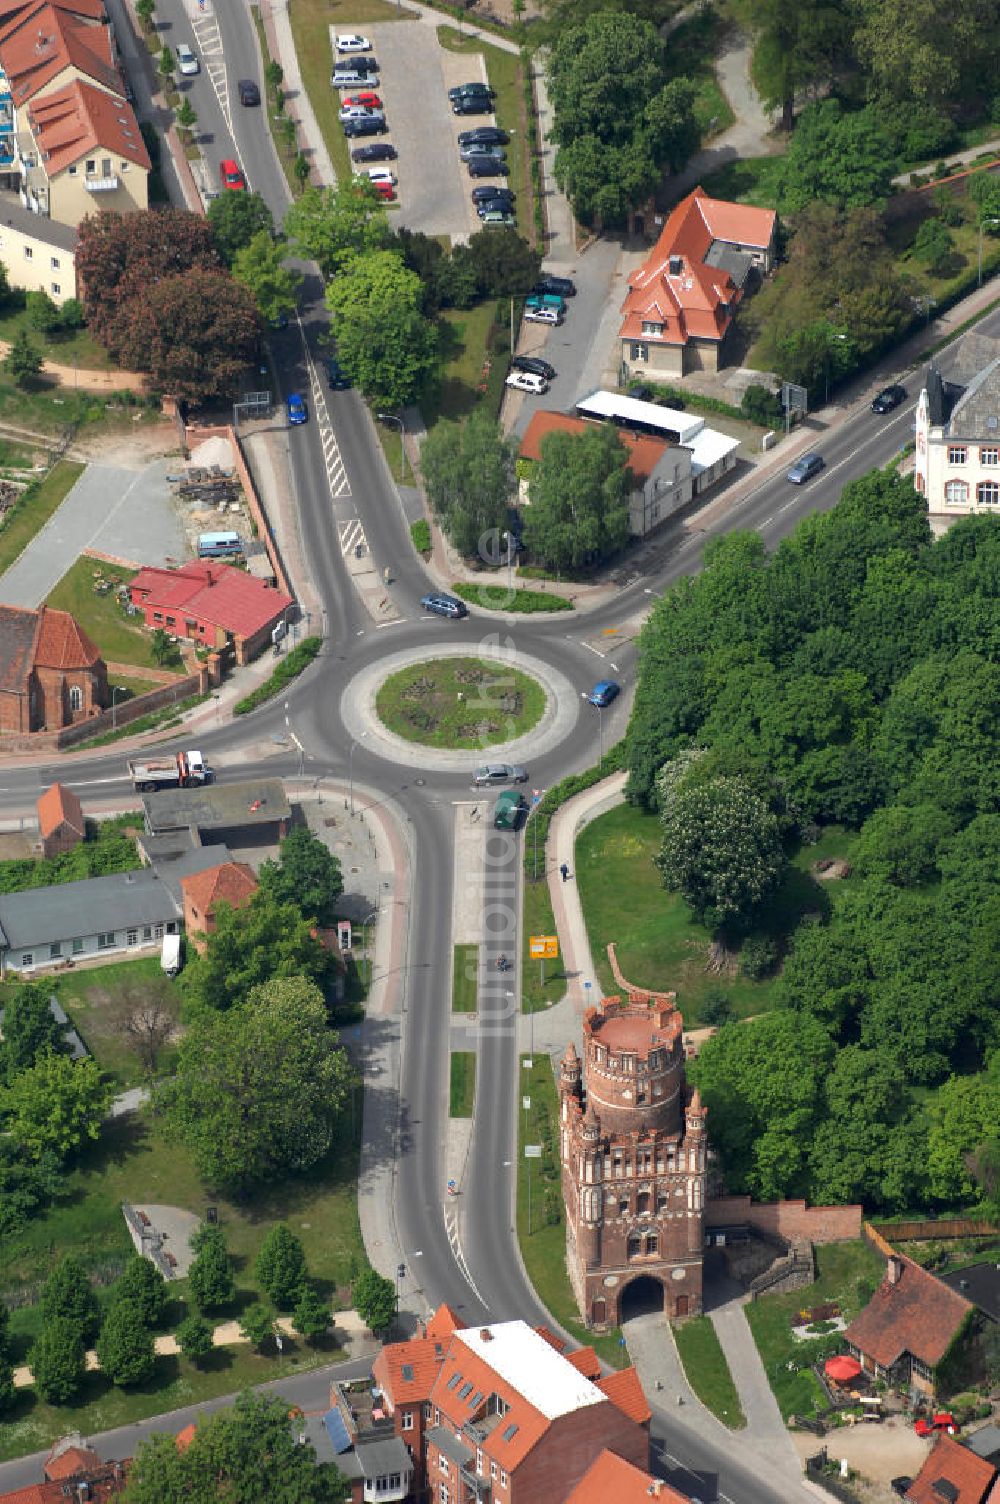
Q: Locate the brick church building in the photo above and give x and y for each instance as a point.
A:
(51, 674)
(633, 1150)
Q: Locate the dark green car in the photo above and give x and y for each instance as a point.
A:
(507, 810)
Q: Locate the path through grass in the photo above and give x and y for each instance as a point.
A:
(33, 511)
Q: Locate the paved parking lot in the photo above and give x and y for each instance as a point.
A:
(415, 74)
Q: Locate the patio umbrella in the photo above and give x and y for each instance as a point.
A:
(842, 1368)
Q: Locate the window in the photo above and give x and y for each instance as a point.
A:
(652, 1243)
(131, 937)
(957, 454)
(623, 1205)
(27, 959)
(988, 493)
(427, 1412)
(650, 326)
(105, 167)
(56, 289)
(157, 615)
(443, 1493)
(503, 1478)
(640, 352)
(406, 1421)
(158, 932)
(479, 1459)
(28, 253)
(442, 1463)
(956, 493)
(634, 1247)
(493, 1469)
(105, 939)
(642, 1202)
(55, 950)
(123, 166)
(171, 621)
(90, 167)
(147, 932)
(989, 456)
(437, 1416)
(75, 697)
(54, 263)
(72, 170)
(78, 946)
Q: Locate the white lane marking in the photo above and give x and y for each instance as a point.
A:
(591, 649)
(451, 1227)
(336, 471)
(352, 537)
(381, 625)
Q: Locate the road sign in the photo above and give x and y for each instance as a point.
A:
(526, 1103)
(536, 795)
(532, 1151)
(543, 947)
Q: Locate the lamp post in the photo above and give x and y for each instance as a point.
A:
(115, 690)
(364, 944)
(350, 767)
(510, 562)
(400, 1276)
(982, 226)
(391, 418)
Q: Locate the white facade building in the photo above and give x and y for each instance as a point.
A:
(957, 464)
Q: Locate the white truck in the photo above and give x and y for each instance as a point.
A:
(170, 955)
(176, 770)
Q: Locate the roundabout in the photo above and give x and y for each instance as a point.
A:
(460, 702)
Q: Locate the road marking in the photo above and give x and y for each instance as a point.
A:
(352, 537)
(336, 471)
(209, 40)
(451, 1228)
(596, 651)
(397, 623)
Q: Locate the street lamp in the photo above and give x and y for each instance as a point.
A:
(391, 418)
(350, 766)
(400, 1276)
(116, 689)
(510, 562)
(982, 226)
(364, 943)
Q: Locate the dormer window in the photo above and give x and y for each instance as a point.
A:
(650, 326)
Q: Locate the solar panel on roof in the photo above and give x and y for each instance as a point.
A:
(337, 1431)
(408, 1372)
(509, 1433)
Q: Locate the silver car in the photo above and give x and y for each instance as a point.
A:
(478, 149)
(499, 772)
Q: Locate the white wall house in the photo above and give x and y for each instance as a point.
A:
(957, 463)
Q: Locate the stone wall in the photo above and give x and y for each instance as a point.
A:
(786, 1220)
(55, 741)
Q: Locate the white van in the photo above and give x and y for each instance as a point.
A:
(170, 955)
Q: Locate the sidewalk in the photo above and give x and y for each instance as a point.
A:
(298, 106)
(765, 1427)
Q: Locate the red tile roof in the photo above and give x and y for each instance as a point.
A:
(421, 1358)
(107, 1482)
(644, 453)
(231, 882)
(694, 301)
(184, 1438)
(18, 630)
(44, 40)
(950, 1462)
(218, 593)
(80, 119)
(916, 1313)
(70, 1462)
(586, 1361)
(524, 1425)
(625, 1390)
(610, 1478)
(443, 1322)
(62, 642)
(58, 806)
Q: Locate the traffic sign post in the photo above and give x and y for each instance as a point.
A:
(531, 1151)
(543, 948)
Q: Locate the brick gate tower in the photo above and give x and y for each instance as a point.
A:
(633, 1156)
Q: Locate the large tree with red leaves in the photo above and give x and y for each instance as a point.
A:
(194, 333)
(121, 257)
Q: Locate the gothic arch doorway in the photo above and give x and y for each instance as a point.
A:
(641, 1297)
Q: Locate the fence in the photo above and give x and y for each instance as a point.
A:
(953, 1227)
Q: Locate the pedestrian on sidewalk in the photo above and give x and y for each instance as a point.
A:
(564, 873)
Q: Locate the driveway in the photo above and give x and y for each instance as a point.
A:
(118, 511)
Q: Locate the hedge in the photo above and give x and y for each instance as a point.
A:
(612, 762)
(499, 598)
(685, 399)
(288, 669)
(420, 533)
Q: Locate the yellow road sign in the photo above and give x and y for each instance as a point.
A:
(543, 947)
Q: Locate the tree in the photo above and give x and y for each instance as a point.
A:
(187, 119)
(194, 1338)
(146, 1015)
(210, 1277)
(236, 218)
(119, 257)
(71, 315)
(392, 357)
(604, 182)
(125, 1348)
(29, 1030)
(23, 360)
(374, 1299)
(306, 874)
(262, 269)
(721, 849)
(281, 1266)
(68, 1295)
(259, 1090)
(911, 58)
(243, 1454)
(273, 75)
(377, 280)
(500, 262)
(933, 245)
(846, 160)
(964, 1116)
(301, 170)
(984, 190)
(468, 473)
(670, 124)
(579, 490)
(333, 225)
(144, 9)
(58, 1361)
(55, 1105)
(194, 334)
(167, 66)
(160, 646)
(900, 844)
(794, 47)
(142, 1285)
(8, 1392)
(602, 74)
(257, 1324)
(311, 1316)
(249, 946)
(43, 314)
(26, 1185)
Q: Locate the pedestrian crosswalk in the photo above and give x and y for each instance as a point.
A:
(353, 543)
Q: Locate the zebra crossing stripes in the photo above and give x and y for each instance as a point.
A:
(352, 537)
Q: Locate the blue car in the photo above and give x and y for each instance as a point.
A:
(603, 692)
(297, 411)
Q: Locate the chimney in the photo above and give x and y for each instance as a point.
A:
(655, 1489)
(675, 266)
(485, 1335)
(894, 1271)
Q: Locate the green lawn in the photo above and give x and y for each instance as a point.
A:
(499, 598)
(460, 702)
(464, 979)
(542, 983)
(690, 54)
(463, 1083)
(543, 1248)
(465, 334)
(78, 348)
(707, 1370)
(845, 1272)
(659, 944)
(31, 513)
(90, 996)
(749, 180)
(120, 638)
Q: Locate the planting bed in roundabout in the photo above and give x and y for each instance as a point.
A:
(460, 702)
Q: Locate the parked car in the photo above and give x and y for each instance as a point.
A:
(499, 772)
(463, 91)
(231, 175)
(385, 191)
(494, 204)
(888, 398)
(249, 92)
(486, 167)
(527, 381)
(477, 149)
(297, 410)
(536, 364)
(543, 316)
(353, 42)
(942, 1420)
(472, 104)
(379, 151)
(603, 692)
(564, 287)
(497, 216)
(336, 376)
(444, 605)
(351, 78)
(366, 97)
(492, 190)
(187, 60)
(358, 112)
(805, 468)
(488, 135)
(544, 300)
(508, 810)
(371, 125)
(381, 175)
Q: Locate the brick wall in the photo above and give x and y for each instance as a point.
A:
(787, 1220)
(570, 1445)
(131, 710)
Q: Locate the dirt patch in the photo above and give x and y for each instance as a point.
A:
(15, 845)
(830, 869)
(878, 1453)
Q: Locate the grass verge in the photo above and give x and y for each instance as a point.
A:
(288, 669)
(72, 348)
(542, 982)
(420, 534)
(267, 105)
(541, 1230)
(465, 342)
(707, 1370)
(499, 598)
(89, 592)
(30, 514)
(162, 720)
(465, 979)
(459, 702)
(463, 1083)
(847, 1273)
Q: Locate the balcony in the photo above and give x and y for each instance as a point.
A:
(102, 185)
(475, 1487)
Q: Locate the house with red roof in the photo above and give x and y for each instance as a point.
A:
(502, 1413)
(681, 302)
(232, 883)
(908, 1326)
(611, 1477)
(51, 674)
(73, 1471)
(61, 822)
(952, 1475)
(214, 604)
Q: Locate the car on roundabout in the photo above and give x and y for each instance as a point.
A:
(603, 692)
(499, 772)
(441, 604)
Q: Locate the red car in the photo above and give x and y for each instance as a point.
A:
(385, 190)
(231, 176)
(367, 97)
(942, 1421)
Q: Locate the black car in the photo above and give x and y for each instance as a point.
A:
(336, 375)
(901, 1485)
(379, 151)
(535, 364)
(249, 92)
(366, 125)
(486, 167)
(486, 193)
(472, 104)
(561, 287)
(483, 135)
(357, 62)
(465, 89)
(888, 398)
